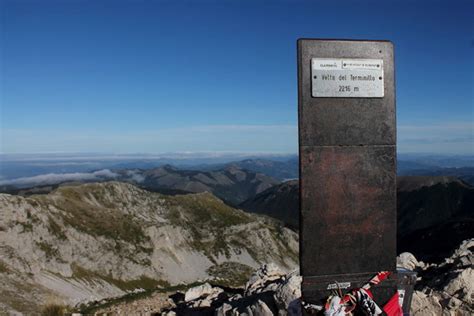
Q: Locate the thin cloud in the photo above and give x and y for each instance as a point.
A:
(54, 178)
(448, 138)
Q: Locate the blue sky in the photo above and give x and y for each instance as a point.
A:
(171, 76)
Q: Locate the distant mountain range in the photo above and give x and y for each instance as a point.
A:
(89, 235)
(231, 183)
(90, 241)
(281, 170)
(29, 165)
(434, 213)
(29, 171)
(464, 173)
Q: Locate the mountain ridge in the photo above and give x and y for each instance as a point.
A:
(231, 183)
(87, 242)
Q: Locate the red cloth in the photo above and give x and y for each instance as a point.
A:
(393, 308)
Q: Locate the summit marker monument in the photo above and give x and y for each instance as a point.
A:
(347, 150)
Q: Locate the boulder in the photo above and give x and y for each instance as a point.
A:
(407, 261)
(259, 309)
(287, 292)
(224, 310)
(423, 304)
(462, 286)
(264, 279)
(204, 290)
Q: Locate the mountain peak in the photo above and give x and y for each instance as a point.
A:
(412, 183)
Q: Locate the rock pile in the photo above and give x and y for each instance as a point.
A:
(446, 288)
(442, 289)
(269, 291)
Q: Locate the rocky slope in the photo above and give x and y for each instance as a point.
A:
(434, 215)
(98, 240)
(442, 289)
(280, 201)
(446, 288)
(232, 184)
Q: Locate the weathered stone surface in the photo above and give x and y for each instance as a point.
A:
(287, 295)
(444, 289)
(260, 309)
(423, 304)
(462, 286)
(261, 280)
(205, 290)
(407, 261)
(224, 310)
(77, 243)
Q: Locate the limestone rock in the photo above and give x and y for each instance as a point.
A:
(262, 279)
(462, 286)
(288, 292)
(423, 305)
(78, 242)
(224, 310)
(259, 309)
(407, 261)
(205, 290)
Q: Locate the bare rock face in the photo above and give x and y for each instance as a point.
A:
(423, 304)
(446, 288)
(287, 295)
(205, 290)
(263, 279)
(443, 289)
(96, 241)
(259, 309)
(269, 291)
(461, 287)
(408, 261)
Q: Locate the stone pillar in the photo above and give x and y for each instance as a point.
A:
(347, 150)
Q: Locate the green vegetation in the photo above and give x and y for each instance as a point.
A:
(54, 310)
(205, 216)
(49, 250)
(230, 274)
(143, 282)
(92, 308)
(206, 209)
(285, 251)
(55, 229)
(3, 267)
(27, 226)
(96, 220)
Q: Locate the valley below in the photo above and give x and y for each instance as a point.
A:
(135, 238)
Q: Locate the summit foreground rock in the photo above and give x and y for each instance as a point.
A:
(442, 289)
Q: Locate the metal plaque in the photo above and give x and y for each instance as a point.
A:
(347, 78)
